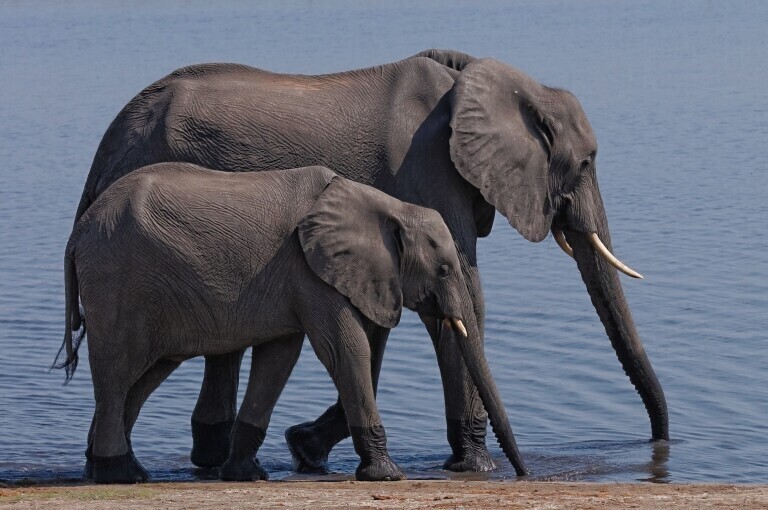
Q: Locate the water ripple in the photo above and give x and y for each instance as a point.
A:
(669, 92)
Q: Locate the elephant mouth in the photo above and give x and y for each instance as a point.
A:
(429, 304)
(599, 247)
(456, 325)
(453, 323)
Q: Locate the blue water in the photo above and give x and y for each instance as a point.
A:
(676, 93)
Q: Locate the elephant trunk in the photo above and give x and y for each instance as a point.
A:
(607, 296)
(474, 358)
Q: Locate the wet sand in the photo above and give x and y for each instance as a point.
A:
(407, 495)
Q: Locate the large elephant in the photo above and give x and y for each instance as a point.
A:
(441, 129)
(175, 261)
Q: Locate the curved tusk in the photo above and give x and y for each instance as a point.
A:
(456, 325)
(459, 326)
(602, 250)
(561, 242)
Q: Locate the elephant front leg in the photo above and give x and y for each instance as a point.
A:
(375, 464)
(271, 365)
(214, 414)
(311, 442)
(344, 350)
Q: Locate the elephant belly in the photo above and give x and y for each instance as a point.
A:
(184, 347)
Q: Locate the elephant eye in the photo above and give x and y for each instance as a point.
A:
(443, 271)
(588, 160)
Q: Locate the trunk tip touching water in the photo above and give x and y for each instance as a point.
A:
(607, 295)
(478, 368)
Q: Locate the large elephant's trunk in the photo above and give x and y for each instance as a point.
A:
(607, 296)
(474, 358)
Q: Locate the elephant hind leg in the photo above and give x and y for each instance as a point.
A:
(215, 411)
(137, 395)
(110, 452)
(142, 389)
(113, 461)
(271, 365)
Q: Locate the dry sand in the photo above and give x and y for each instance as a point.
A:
(406, 495)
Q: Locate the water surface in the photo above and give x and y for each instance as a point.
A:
(676, 94)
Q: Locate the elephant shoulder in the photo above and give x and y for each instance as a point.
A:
(418, 85)
(452, 59)
(427, 71)
(305, 183)
(319, 175)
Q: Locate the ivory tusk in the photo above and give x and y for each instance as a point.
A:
(459, 326)
(602, 250)
(561, 242)
(456, 325)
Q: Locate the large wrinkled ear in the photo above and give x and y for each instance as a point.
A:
(501, 144)
(351, 241)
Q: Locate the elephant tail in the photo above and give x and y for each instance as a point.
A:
(74, 331)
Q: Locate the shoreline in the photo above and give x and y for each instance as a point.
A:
(409, 494)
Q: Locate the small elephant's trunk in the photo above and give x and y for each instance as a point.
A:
(477, 365)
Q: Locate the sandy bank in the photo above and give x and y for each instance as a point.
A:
(408, 495)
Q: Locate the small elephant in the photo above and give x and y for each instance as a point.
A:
(175, 261)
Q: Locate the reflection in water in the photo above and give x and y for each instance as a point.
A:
(657, 467)
(592, 461)
(665, 136)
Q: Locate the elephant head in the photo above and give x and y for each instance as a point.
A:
(383, 254)
(530, 151)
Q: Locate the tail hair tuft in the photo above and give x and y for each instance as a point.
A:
(70, 363)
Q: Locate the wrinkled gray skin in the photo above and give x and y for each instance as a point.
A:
(440, 129)
(175, 261)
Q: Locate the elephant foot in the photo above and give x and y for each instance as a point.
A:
(210, 443)
(242, 465)
(309, 452)
(383, 469)
(88, 470)
(118, 469)
(375, 463)
(479, 461)
(242, 470)
(467, 440)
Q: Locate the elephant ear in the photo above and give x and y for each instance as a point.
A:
(351, 241)
(501, 144)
